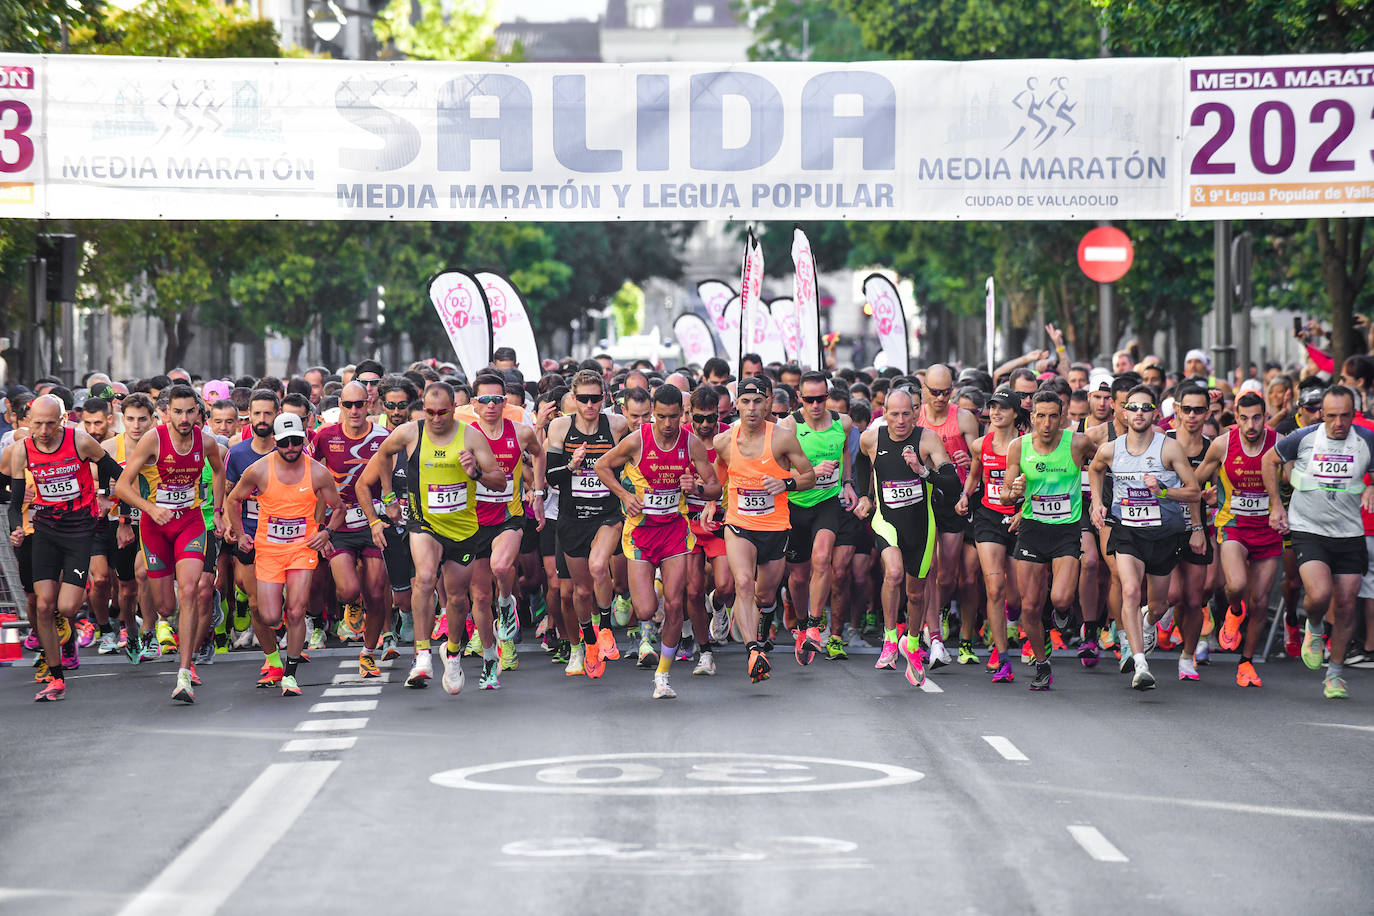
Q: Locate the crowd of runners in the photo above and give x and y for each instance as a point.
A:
(632, 515)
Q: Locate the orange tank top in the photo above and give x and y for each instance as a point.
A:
(747, 504)
(286, 512)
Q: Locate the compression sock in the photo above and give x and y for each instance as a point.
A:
(913, 642)
(291, 663)
(1090, 630)
(454, 647)
(665, 657)
(274, 659)
(890, 635)
(588, 633)
(765, 621)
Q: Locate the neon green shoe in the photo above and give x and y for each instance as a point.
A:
(966, 656)
(505, 649)
(834, 648)
(1334, 688)
(165, 639)
(1312, 646)
(474, 646)
(621, 608)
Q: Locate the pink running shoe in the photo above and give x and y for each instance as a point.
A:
(85, 632)
(915, 665)
(888, 657)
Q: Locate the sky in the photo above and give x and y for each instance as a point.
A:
(548, 10)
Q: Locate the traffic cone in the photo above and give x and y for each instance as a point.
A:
(9, 639)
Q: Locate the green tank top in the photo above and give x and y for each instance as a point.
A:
(207, 497)
(820, 445)
(1054, 494)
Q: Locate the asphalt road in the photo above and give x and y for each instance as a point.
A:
(830, 789)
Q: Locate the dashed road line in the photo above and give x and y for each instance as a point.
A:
(331, 725)
(1004, 747)
(319, 744)
(929, 686)
(385, 678)
(344, 706)
(351, 691)
(1095, 844)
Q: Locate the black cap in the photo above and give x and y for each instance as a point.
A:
(1005, 397)
(752, 385)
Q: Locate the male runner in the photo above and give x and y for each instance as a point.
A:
(708, 563)
(131, 573)
(96, 421)
(1329, 462)
(291, 494)
(1188, 591)
(663, 462)
(757, 463)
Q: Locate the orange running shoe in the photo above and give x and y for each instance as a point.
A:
(1167, 639)
(1056, 640)
(759, 669)
(993, 661)
(271, 676)
(605, 646)
(594, 665)
(195, 678)
(1230, 630)
(367, 666)
(1208, 624)
(1246, 676)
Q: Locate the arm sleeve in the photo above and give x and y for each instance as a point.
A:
(4, 487)
(946, 481)
(558, 473)
(16, 506)
(863, 474)
(109, 470)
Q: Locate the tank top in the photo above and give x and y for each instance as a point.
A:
(1195, 462)
(64, 489)
(820, 445)
(122, 456)
(994, 477)
(442, 495)
(286, 512)
(345, 457)
(1054, 494)
(173, 482)
(656, 478)
(747, 504)
(400, 489)
(495, 506)
(583, 496)
(1242, 501)
(1133, 506)
(695, 504)
(903, 496)
(952, 437)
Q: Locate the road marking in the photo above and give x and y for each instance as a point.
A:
(1205, 804)
(381, 663)
(929, 686)
(358, 678)
(331, 725)
(351, 691)
(1357, 728)
(1004, 747)
(77, 677)
(1095, 844)
(344, 706)
(319, 744)
(216, 862)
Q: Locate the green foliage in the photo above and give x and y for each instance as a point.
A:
(976, 29)
(179, 28)
(627, 305)
(778, 31)
(1177, 28)
(443, 30)
(36, 26)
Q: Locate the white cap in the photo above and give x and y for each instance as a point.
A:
(1198, 355)
(286, 426)
(330, 416)
(1097, 378)
(1252, 384)
(1167, 408)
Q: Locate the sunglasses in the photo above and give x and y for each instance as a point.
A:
(1192, 410)
(438, 413)
(490, 399)
(1139, 408)
(589, 398)
(783, 415)
(352, 405)
(120, 397)
(369, 382)
(815, 398)
(705, 418)
(291, 442)
(395, 405)
(938, 392)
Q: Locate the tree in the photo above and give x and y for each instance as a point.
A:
(803, 30)
(43, 26)
(976, 29)
(627, 305)
(439, 30)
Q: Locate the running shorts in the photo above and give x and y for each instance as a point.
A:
(272, 562)
(807, 522)
(103, 542)
(1344, 556)
(1261, 541)
(166, 545)
(357, 544)
(461, 552)
(1037, 542)
(768, 545)
(60, 556)
(529, 541)
(990, 527)
(124, 558)
(400, 566)
(1159, 554)
(1199, 559)
(655, 543)
(486, 535)
(213, 545)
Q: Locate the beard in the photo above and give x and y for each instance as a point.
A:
(262, 430)
(290, 458)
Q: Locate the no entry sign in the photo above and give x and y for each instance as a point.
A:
(1105, 254)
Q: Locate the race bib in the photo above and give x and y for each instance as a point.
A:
(755, 502)
(444, 498)
(662, 502)
(497, 496)
(1333, 471)
(1140, 509)
(829, 480)
(1052, 507)
(250, 509)
(175, 497)
(993, 487)
(897, 494)
(285, 530)
(586, 485)
(55, 488)
(135, 515)
(1249, 502)
(1087, 487)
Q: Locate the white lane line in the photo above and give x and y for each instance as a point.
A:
(215, 863)
(929, 686)
(77, 677)
(344, 706)
(358, 679)
(353, 663)
(319, 744)
(1004, 747)
(1095, 844)
(331, 725)
(1357, 728)
(351, 691)
(1316, 814)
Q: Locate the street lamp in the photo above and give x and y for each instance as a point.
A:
(326, 20)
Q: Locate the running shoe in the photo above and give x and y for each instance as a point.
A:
(183, 692)
(1186, 669)
(870, 624)
(1044, 677)
(109, 643)
(1229, 637)
(1208, 621)
(706, 664)
(1106, 638)
(205, 653)
(539, 606)
(1202, 655)
(720, 621)
(64, 628)
(1127, 659)
(939, 655)
(41, 671)
(801, 648)
(577, 658)
(422, 670)
(1056, 642)
(647, 654)
(1312, 647)
(367, 666)
(1292, 640)
(814, 640)
(152, 649)
(195, 678)
(166, 639)
(1167, 638)
(56, 689)
(621, 609)
(994, 659)
(592, 662)
(474, 646)
(506, 655)
(70, 658)
(405, 630)
(1004, 674)
(1147, 631)
(315, 635)
(289, 687)
(606, 644)
(563, 653)
(123, 637)
(31, 641)
(85, 632)
(1089, 653)
(389, 647)
(1333, 688)
(452, 680)
(1027, 654)
(684, 650)
(1059, 619)
(353, 619)
(966, 654)
(662, 689)
(759, 669)
(507, 621)
(1360, 658)
(915, 670)
(271, 676)
(888, 657)
(490, 679)
(1143, 679)
(1246, 676)
(440, 630)
(834, 649)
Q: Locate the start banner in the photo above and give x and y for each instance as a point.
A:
(150, 138)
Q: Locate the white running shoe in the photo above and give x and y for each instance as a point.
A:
(939, 655)
(1148, 632)
(577, 661)
(453, 670)
(662, 689)
(706, 664)
(1142, 679)
(422, 671)
(1187, 671)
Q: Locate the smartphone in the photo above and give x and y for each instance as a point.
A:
(1297, 326)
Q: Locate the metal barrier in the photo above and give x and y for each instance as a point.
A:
(12, 598)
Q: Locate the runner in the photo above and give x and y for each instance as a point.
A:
(96, 421)
(708, 608)
(131, 572)
(757, 463)
(663, 462)
(895, 462)
(1328, 465)
(167, 467)
(1152, 485)
(1043, 476)
(291, 494)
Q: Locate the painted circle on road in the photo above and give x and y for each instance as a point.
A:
(668, 773)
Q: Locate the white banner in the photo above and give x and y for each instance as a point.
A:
(806, 297)
(1278, 137)
(889, 320)
(753, 316)
(462, 306)
(784, 314)
(715, 296)
(510, 322)
(694, 336)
